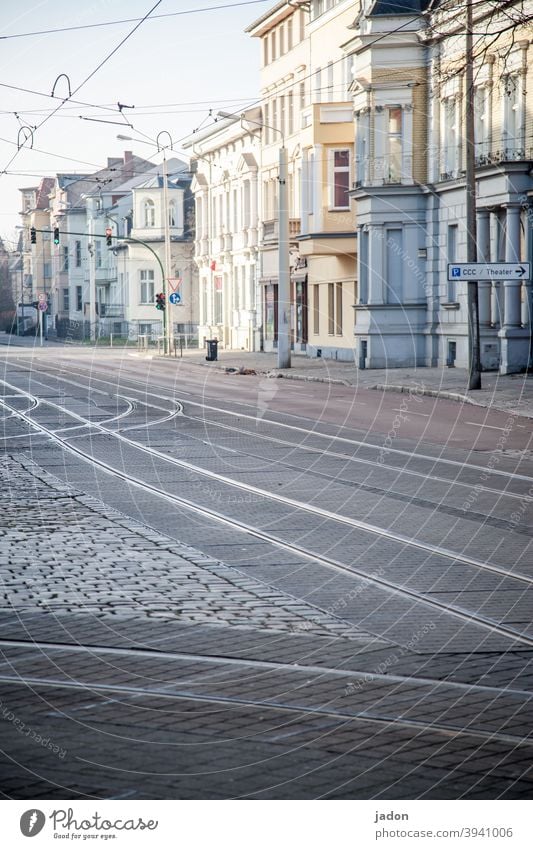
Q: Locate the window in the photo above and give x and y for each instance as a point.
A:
(340, 180)
(316, 309)
(147, 286)
(66, 300)
(98, 253)
(318, 85)
(331, 309)
(394, 266)
(273, 46)
(330, 81)
(394, 151)
(450, 136)
(78, 254)
(338, 309)
(79, 299)
(347, 76)
(149, 213)
(281, 40)
(282, 115)
(334, 309)
(218, 283)
(290, 110)
(47, 270)
(451, 256)
(265, 51)
(289, 34)
(266, 122)
(302, 95)
(512, 129)
(275, 112)
(302, 24)
(64, 265)
(172, 213)
(481, 122)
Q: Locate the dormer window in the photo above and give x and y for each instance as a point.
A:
(149, 213)
(172, 213)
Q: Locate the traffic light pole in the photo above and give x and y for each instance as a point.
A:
(124, 241)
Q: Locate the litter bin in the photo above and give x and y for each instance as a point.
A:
(212, 350)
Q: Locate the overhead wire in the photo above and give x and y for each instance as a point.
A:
(132, 20)
(87, 78)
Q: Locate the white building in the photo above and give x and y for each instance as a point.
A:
(137, 219)
(225, 160)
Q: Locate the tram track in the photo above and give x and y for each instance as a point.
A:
(383, 583)
(56, 373)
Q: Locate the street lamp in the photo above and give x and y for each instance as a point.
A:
(284, 301)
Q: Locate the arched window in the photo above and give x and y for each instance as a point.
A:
(149, 213)
(172, 213)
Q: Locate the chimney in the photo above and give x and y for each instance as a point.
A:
(128, 164)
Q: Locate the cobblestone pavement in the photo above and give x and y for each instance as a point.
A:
(94, 559)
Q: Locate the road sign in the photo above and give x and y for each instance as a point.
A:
(175, 298)
(43, 306)
(174, 282)
(41, 297)
(489, 271)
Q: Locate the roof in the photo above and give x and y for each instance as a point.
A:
(398, 7)
(282, 9)
(45, 187)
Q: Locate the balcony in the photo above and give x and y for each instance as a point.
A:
(111, 310)
(271, 230)
(382, 172)
(506, 154)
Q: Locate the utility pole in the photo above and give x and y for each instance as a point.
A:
(284, 300)
(474, 348)
(167, 324)
(92, 271)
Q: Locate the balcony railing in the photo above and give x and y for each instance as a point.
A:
(271, 230)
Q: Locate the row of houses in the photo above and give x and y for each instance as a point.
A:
(123, 200)
(369, 100)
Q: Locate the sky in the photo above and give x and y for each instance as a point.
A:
(173, 70)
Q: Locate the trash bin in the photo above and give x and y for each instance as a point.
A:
(212, 350)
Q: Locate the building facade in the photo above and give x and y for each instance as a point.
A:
(225, 160)
(409, 102)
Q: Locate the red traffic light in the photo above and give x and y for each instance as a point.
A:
(108, 234)
(160, 301)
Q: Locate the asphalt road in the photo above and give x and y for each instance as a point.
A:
(226, 586)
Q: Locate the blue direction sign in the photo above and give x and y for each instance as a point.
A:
(175, 298)
(489, 271)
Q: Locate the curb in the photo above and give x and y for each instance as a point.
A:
(433, 393)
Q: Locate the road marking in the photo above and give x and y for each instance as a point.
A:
(410, 412)
(492, 427)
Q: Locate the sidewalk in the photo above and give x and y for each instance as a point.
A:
(513, 393)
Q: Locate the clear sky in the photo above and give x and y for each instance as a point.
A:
(172, 69)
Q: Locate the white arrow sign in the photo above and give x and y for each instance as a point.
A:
(489, 271)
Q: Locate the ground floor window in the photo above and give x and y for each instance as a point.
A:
(218, 303)
(147, 294)
(301, 311)
(335, 309)
(79, 299)
(271, 312)
(316, 309)
(66, 300)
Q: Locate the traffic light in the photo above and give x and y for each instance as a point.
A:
(56, 235)
(108, 234)
(160, 301)
(33, 236)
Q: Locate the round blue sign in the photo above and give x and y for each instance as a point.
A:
(175, 298)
